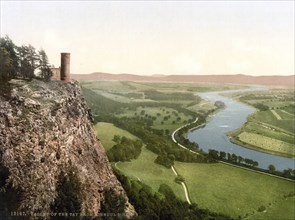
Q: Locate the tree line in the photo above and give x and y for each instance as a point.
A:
(249, 163)
(22, 62)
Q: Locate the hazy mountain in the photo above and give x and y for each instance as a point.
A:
(239, 79)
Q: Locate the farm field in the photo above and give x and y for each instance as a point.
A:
(235, 191)
(163, 117)
(272, 127)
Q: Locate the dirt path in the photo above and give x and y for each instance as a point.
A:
(183, 185)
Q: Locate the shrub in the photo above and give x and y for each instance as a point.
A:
(69, 194)
(261, 209)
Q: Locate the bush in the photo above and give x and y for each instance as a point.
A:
(164, 160)
(261, 209)
(10, 197)
(69, 194)
(113, 203)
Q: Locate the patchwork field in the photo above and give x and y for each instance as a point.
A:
(272, 127)
(237, 192)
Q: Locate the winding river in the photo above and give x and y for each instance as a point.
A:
(213, 135)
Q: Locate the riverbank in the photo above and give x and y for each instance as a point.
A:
(240, 165)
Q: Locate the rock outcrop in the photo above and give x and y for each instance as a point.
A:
(45, 128)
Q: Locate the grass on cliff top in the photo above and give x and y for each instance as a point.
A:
(237, 192)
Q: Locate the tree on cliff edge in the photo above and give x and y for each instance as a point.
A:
(5, 65)
(45, 71)
(22, 62)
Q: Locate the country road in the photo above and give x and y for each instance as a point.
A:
(180, 145)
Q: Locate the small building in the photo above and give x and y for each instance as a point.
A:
(55, 73)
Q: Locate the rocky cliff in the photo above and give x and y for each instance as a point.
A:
(46, 136)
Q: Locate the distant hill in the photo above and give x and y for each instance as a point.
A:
(238, 79)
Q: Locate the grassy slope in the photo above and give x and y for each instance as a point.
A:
(234, 191)
(143, 167)
(151, 173)
(106, 131)
(275, 211)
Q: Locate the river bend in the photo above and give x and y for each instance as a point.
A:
(233, 116)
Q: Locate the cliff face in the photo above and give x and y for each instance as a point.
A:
(45, 128)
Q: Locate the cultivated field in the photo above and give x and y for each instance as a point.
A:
(272, 127)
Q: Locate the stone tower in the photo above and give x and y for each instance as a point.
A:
(65, 67)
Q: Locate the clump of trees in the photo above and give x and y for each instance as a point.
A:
(261, 107)
(22, 62)
(288, 173)
(165, 160)
(113, 202)
(125, 149)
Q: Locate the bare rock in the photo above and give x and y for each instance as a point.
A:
(44, 127)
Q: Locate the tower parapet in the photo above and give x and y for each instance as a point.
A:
(65, 67)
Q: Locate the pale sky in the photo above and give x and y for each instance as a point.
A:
(158, 37)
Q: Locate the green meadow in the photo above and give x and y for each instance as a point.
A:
(143, 168)
(163, 117)
(236, 192)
